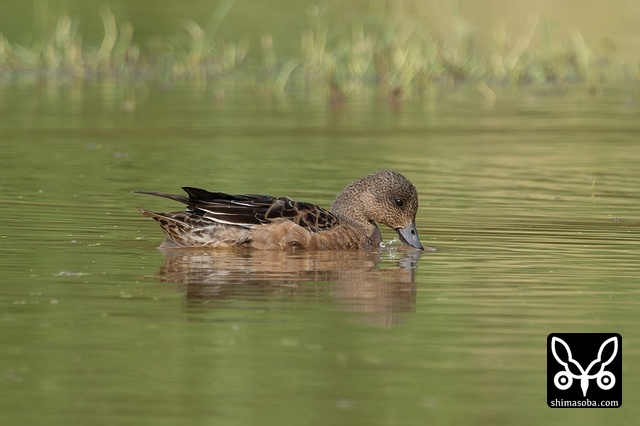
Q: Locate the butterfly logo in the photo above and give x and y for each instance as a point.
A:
(564, 379)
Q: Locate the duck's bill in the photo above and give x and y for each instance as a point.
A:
(409, 236)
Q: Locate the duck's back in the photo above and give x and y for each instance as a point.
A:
(218, 219)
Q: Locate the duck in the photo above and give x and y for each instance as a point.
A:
(217, 219)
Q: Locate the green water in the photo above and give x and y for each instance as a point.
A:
(531, 201)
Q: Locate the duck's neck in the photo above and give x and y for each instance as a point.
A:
(351, 208)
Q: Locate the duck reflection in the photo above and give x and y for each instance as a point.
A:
(380, 284)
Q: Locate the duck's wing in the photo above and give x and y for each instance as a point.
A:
(251, 210)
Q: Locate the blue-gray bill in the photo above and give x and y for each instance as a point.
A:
(409, 236)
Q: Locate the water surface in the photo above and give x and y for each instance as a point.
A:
(531, 201)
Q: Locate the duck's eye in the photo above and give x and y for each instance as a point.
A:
(399, 202)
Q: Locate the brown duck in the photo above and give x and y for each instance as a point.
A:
(214, 219)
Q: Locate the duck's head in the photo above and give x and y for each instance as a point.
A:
(385, 197)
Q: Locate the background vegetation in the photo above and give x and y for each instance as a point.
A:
(403, 46)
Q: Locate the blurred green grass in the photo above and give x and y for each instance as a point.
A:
(402, 54)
